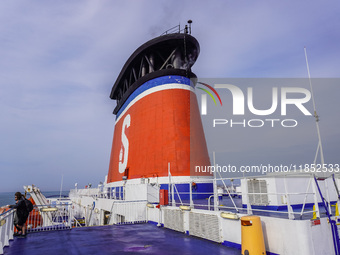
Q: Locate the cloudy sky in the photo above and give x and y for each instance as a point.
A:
(59, 60)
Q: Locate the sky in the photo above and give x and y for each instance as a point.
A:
(60, 59)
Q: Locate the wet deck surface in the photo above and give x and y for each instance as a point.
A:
(121, 239)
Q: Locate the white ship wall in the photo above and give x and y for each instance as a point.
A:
(281, 236)
(295, 186)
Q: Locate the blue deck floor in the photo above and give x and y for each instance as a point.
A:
(116, 239)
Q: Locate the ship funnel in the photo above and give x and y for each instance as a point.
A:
(157, 118)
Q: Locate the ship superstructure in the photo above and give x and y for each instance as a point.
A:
(158, 140)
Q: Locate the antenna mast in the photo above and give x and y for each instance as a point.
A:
(316, 117)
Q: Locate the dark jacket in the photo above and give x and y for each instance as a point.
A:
(22, 211)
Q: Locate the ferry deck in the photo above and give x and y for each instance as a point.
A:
(116, 239)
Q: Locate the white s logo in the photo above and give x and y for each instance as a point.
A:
(125, 141)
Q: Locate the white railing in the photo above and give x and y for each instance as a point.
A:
(6, 229)
(256, 199)
(128, 212)
(89, 192)
(176, 199)
(47, 218)
(116, 193)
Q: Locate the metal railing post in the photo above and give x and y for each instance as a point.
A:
(305, 198)
(289, 208)
(190, 193)
(328, 198)
(246, 195)
(215, 195)
(173, 203)
(316, 204)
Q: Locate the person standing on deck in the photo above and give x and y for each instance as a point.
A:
(21, 213)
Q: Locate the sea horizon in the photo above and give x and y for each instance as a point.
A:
(7, 198)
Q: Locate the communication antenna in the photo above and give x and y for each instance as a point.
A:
(315, 115)
(61, 187)
(189, 22)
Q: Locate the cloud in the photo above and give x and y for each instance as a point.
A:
(59, 61)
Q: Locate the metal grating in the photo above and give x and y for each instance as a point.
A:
(205, 226)
(259, 187)
(173, 219)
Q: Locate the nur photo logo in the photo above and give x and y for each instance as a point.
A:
(204, 97)
(281, 100)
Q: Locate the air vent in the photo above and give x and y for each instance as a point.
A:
(259, 187)
(205, 226)
(173, 219)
